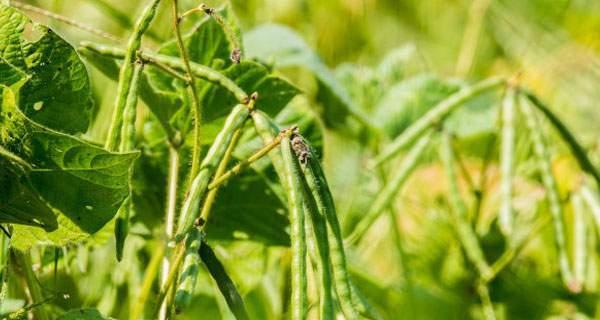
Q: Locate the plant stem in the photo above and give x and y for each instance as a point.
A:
(169, 279)
(244, 163)
(212, 193)
(23, 260)
(137, 311)
(196, 107)
(65, 20)
(172, 182)
(434, 116)
(486, 301)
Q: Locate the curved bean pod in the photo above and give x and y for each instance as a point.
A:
(391, 189)
(549, 181)
(464, 230)
(351, 305)
(434, 115)
(189, 270)
(127, 144)
(191, 205)
(126, 74)
(507, 150)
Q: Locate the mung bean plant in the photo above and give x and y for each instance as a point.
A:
(190, 167)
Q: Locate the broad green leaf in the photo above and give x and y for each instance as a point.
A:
(83, 184)
(83, 314)
(58, 93)
(246, 209)
(282, 47)
(19, 202)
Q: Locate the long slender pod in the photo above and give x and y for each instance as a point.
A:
(466, 234)
(435, 115)
(189, 270)
(199, 186)
(317, 183)
(294, 193)
(226, 286)
(507, 155)
(578, 151)
(580, 243)
(391, 189)
(127, 143)
(200, 71)
(319, 228)
(127, 73)
(545, 168)
(593, 204)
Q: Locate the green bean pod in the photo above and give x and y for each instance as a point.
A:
(127, 73)
(294, 193)
(224, 282)
(190, 209)
(317, 184)
(435, 115)
(464, 230)
(549, 182)
(189, 270)
(200, 71)
(507, 150)
(319, 232)
(127, 144)
(391, 189)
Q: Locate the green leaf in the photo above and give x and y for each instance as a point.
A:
(19, 202)
(83, 184)
(246, 209)
(407, 101)
(161, 103)
(58, 93)
(83, 314)
(282, 47)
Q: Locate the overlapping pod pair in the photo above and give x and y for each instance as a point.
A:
(121, 134)
(307, 191)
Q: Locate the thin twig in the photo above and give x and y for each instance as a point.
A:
(245, 163)
(197, 108)
(212, 194)
(65, 20)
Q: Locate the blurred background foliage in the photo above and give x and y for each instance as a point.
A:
(395, 59)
